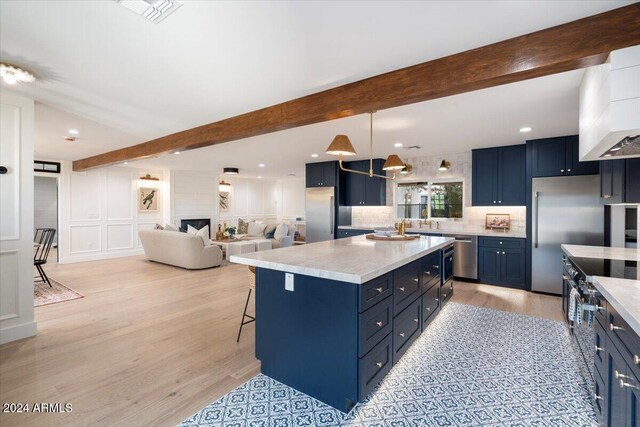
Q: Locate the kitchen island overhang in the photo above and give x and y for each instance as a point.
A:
(347, 311)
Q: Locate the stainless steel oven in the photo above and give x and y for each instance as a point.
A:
(446, 289)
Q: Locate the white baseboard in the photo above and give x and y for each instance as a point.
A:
(70, 259)
(17, 332)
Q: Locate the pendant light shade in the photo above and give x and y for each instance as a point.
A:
(393, 163)
(341, 146)
(444, 165)
(224, 187)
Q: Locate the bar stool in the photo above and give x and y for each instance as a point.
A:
(252, 286)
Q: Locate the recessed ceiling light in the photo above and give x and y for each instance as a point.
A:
(525, 129)
(259, 177)
(314, 155)
(261, 165)
(177, 152)
(73, 131)
(126, 163)
(12, 74)
(398, 144)
(607, 155)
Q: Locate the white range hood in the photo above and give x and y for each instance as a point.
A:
(610, 107)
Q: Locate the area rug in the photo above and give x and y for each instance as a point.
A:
(44, 295)
(472, 366)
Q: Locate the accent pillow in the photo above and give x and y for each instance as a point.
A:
(255, 229)
(170, 227)
(243, 226)
(269, 231)
(192, 230)
(158, 227)
(203, 233)
(281, 231)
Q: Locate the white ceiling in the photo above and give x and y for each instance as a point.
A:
(212, 60)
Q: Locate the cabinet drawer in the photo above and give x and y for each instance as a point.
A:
(375, 291)
(430, 305)
(623, 337)
(599, 398)
(430, 270)
(601, 314)
(406, 328)
(374, 325)
(406, 283)
(498, 242)
(374, 366)
(600, 348)
(446, 292)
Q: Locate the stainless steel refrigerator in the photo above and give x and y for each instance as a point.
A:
(320, 214)
(565, 210)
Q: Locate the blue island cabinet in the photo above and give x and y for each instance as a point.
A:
(335, 341)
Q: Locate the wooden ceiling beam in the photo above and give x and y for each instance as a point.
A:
(577, 44)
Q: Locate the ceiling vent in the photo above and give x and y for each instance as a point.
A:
(413, 147)
(154, 10)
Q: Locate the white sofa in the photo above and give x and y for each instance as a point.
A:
(179, 249)
(285, 241)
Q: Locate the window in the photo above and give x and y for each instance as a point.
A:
(423, 200)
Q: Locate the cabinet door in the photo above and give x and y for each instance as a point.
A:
(512, 267)
(616, 395)
(549, 157)
(355, 184)
(632, 185)
(512, 176)
(574, 165)
(606, 171)
(633, 402)
(484, 191)
(329, 174)
(314, 174)
(617, 181)
(375, 189)
(489, 265)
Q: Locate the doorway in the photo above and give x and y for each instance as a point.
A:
(45, 208)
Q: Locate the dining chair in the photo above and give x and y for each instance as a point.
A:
(43, 240)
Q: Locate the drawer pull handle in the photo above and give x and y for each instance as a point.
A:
(379, 290)
(599, 349)
(379, 364)
(598, 307)
(401, 289)
(444, 296)
(498, 252)
(636, 359)
(436, 266)
(437, 299)
(618, 375)
(416, 279)
(629, 385)
(428, 273)
(416, 320)
(402, 334)
(613, 327)
(596, 397)
(379, 324)
(428, 308)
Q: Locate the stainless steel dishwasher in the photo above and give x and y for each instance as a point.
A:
(465, 260)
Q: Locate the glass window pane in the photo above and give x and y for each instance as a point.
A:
(412, 200)
(446, 200)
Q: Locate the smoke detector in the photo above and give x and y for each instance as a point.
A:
(153, 10)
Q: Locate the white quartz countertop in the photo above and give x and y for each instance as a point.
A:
(354, 259)
(464, 231)
(624, 296)
(601, 252)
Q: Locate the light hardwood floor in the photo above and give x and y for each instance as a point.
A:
(152, 344)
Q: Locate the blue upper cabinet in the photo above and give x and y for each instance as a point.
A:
(620, 181)
(323, 174)
(558, 157)
(362, 190)
(499, 176)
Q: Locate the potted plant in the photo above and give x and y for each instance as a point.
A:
(230, 232)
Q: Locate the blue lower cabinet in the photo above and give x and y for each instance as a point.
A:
(351, 232)
(446, 292)
(406, 328)
(501, 261)
(374, 366)
(430, 305)
(430, 270)
(335, 341)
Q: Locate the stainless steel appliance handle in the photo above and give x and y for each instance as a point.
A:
(464, 241)
(331, 213)
(536, 196)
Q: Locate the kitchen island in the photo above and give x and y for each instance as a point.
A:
(333, 317)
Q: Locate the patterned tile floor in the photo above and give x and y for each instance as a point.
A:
(472, 366)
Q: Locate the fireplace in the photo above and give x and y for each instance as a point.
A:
(195, 223)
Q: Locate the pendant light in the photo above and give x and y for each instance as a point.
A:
(444, 165)
(224, 187)
(341, 146)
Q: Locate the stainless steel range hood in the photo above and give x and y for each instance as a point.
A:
(610, 107)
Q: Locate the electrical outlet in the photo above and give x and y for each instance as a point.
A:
(288, 281)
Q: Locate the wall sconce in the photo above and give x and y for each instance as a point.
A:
(224, 187)
(407, 169)
(148, 177)
(444, 165)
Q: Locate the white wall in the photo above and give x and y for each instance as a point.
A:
(16, 217)
(99, 215)
(195, 195)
